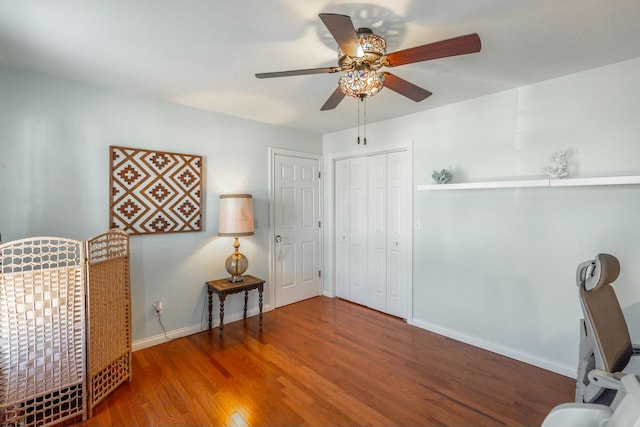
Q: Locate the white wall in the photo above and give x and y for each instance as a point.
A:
(54, 181)
(496, 268)
(491, 267)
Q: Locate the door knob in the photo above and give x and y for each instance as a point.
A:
(279, 243)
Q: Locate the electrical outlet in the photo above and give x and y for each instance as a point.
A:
(157, 308)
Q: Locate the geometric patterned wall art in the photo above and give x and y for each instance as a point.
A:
(155, 192)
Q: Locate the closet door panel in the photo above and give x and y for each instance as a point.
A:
(377, 232)
(397, 234)
(358, 230)
(342, 230)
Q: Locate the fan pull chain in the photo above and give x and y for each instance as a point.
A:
(359, 121)
(363, 100)
(365, 120)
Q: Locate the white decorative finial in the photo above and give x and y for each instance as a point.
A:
(558, 166)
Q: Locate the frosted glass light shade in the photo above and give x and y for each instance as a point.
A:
(361, 82)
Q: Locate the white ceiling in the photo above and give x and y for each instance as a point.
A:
(204, 53)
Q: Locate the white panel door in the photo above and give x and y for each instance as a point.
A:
(297, 228)
(377, 232)
(398, 231)
(358, 228)
(342, 228)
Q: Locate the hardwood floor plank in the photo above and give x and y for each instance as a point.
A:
(327, 362)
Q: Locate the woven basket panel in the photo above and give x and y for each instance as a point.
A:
(42, 331)
(109, 354)
(45, 410)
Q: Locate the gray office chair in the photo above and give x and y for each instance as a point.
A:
(606, 352)
(623, 412)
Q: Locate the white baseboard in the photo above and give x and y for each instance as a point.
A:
(193, 329)
(159, 339)
(550, 365)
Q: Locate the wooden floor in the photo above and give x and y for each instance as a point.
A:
(327, 362)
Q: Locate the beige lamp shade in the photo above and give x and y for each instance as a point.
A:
(236, 215)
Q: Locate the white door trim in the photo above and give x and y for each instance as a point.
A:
(329, 276)
(370, 151)
(272, 225)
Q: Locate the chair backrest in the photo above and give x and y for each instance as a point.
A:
(603, 314)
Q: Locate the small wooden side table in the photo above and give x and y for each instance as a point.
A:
(223, 287)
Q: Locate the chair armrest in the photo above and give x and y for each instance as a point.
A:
(605, 379)
(578, 415)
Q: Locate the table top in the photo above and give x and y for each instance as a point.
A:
(226, 285)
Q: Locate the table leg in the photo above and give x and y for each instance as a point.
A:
(260, 288)
(210, 292)
(246, 299)
(222, 296)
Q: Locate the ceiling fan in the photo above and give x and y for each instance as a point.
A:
(362, 54)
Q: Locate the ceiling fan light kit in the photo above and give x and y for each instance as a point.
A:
(361, 78)
(361, 54)
(361, 82)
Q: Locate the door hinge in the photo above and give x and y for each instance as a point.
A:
(319, 273)
(319, 224)
(319, 174)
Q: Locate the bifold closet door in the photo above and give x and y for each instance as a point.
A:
(351, 229)
(342, 228)
(358, 228)
(398, 251)
(377, 232)
(371, 231)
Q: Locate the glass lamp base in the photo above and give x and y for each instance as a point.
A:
(236, 264)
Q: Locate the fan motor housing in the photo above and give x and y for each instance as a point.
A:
(373, 46)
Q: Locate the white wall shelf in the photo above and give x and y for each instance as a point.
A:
(543, 182)
(605, 180)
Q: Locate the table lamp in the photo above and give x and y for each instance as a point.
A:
(236, 219)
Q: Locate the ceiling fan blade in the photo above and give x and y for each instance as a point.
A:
(341, 28)
(333, 100)
(405, 88)
(451, 47)
(298, 72)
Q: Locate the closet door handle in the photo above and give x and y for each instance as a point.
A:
(279, 243)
